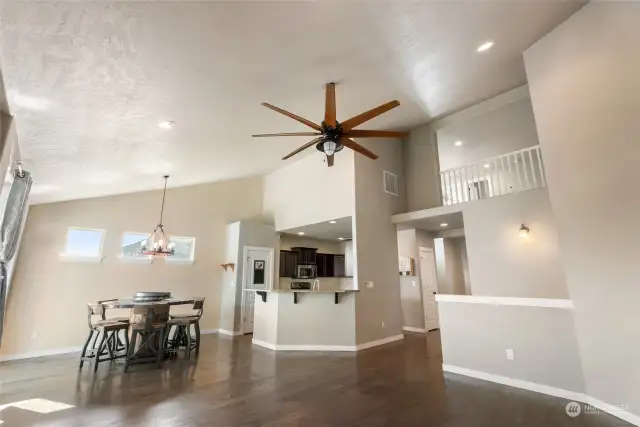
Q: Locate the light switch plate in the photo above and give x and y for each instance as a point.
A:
(510, 354)
(369, 284)
(414, 283)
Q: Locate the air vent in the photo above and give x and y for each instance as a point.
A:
(390, 183)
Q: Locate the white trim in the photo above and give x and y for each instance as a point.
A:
(208, 331)
(40, 353)
(312, 347)
(386, 340)
(135, 260)
(79, 258)
(525, 302)
(385, 174)
(544, 389)
(412, 329)
(229, 333)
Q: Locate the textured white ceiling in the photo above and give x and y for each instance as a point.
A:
(88, 81)
(326, 230)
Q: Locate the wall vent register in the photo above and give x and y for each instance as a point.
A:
(390, 183)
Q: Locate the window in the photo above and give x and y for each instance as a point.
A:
(390, 183)
(130, 245)
(185, 248)
(84, 243)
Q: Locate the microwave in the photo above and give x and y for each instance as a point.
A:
(307, 271)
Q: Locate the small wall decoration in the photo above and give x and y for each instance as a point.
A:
(258, 272)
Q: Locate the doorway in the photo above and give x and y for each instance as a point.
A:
(257, 274)
(429, 281)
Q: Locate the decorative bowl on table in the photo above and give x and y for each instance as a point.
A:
(151, 296)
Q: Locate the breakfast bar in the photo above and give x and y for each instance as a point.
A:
(305, 320)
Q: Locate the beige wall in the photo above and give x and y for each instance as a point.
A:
(503, 264)
(287, 241)
(306, 191)
(476, 336)
(43, 284)
(584, 80)
(421, 169)
(376, 243)
(498, 131)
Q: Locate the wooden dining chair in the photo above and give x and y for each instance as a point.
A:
(114, 319)
(182, 334)
(147, 322)
(103, 343)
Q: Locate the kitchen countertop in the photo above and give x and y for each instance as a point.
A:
(306, 291)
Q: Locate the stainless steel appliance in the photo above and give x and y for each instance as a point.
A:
(307, 271)
(301, 285)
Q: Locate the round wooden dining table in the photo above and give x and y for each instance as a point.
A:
(130, 302)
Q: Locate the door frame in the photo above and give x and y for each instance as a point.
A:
(423, 284)
(245, 270)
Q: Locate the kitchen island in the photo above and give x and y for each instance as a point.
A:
(305, 320)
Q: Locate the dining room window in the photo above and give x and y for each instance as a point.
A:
(185, 249)
(84, 244)
(130, 245)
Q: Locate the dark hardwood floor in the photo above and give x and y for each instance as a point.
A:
(236, 384)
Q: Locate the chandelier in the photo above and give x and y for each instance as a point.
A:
(158, 244)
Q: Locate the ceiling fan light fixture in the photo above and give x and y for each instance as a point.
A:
(329, 147)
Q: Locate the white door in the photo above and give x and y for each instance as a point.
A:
(258, 275)
(429, 282)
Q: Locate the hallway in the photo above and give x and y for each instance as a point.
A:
(236, 384)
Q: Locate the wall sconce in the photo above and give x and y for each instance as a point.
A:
(524, 231)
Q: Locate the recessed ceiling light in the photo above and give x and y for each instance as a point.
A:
(458, 143)
(487, 165)
(333, 222)
(301, 233)
(340, 238)
(166, 124)
(444, 224)
(485, 46)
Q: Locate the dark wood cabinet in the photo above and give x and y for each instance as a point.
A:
(325, 266)
(339, 266)
(288, 264)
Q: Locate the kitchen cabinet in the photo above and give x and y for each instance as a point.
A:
(324, 262)
(288, 264)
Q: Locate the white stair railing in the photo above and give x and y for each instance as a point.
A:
(510, 173)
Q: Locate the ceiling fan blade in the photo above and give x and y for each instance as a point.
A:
(357, 133)
(330, 105)
(350, 143)
(329, 160)
(293, 116)
(261, 135)
(304, 147)
(368, 115)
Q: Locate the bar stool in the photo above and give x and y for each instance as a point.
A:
(182, 335)
(109, 345)
(113, 319)
(149, 322)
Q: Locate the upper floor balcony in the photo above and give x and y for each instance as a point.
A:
(509, 173)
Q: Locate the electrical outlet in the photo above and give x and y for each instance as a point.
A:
(382, 325)
(510, 354)
(369, 284)
(35, 335)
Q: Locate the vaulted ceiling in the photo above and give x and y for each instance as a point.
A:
(88, 81)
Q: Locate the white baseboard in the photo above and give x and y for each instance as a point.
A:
(229, 333)
(289, 347)
(386, 340)
(208, 331)
(412, 329)
(41, 353)
(544, 389)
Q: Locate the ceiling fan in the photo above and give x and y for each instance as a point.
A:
(333, 136)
